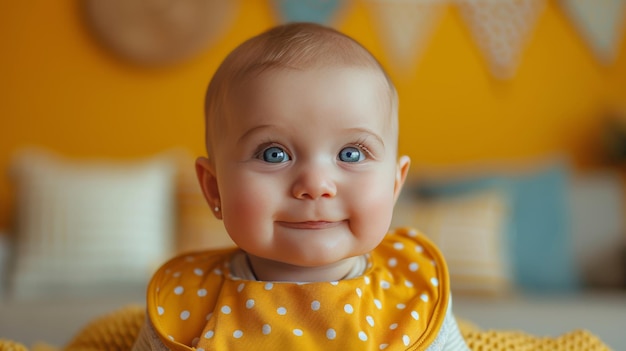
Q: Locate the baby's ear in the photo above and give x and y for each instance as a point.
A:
(402, 169)
(208, 182)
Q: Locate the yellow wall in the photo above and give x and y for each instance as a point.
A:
(62, 90)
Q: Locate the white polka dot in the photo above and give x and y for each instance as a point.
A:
(334, 283)
(393, 326)
(424, 297)
(208, 316)
(433, 263)
(359, 293)
(282, 311)
(208, 334)
(362, 336)
(406, 340)
(413, 266)
(400, 306)
(225, 309)
(412, 233)
(331, 334)
(199, 349)
(408, 283)
(434, 281)
(201, 292)
(378, 304)
(392, 262)
(297, 332)
(176, 275)
(170, 337)
(237, 334)
(195, 341)
(217, 271)
(383, 346)
(184, 315)
(240, 287)
(398, 246)
(348, 308)
(249, 303)
(160, 310)
(419, 249)
(415, 315)
(266, 329)
(385, 284)
(370, 320)
(198, 271)
(269, 286)
(315, 305)
(179, 290)
(366, 279)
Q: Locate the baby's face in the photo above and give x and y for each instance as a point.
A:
(306, 165)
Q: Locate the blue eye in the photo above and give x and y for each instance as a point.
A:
(351, 154)
(275, 154)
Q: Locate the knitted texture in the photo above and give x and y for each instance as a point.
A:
(118, 330)
(8, 345)
(115, 331)
(578, 340)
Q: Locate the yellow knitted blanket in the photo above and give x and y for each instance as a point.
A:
(118, 330)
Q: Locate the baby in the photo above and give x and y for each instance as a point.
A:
(302, 167)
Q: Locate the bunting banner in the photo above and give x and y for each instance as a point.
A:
(318, 11)
(405, 26)
(501, 29)
(600, 23)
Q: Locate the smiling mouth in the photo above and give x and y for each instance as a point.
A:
(310, 224)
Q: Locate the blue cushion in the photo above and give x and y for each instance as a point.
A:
(538, 231)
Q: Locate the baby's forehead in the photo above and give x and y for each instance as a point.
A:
(352, 95)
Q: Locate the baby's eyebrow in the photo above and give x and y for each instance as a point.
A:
(369, 132)
(355, 130)
(254, 130)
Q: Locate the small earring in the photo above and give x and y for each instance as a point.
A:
(216, 208)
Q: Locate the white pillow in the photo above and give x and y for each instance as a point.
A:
(86, 227)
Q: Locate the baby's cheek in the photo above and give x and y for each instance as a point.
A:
(247, 212)
(371, 215)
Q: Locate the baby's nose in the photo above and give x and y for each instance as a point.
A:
(314, 183)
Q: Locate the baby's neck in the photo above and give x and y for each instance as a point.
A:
(268, 270)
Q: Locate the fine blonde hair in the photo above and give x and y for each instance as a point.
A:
(288, 46)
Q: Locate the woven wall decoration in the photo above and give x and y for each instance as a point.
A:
(158, 32)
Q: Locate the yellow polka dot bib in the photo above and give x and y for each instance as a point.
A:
(398, 303)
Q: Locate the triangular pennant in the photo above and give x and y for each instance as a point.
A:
(501, 29)
(318, 11)
(405, 26)
(600, 22)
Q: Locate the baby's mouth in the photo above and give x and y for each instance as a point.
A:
(311, 224)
